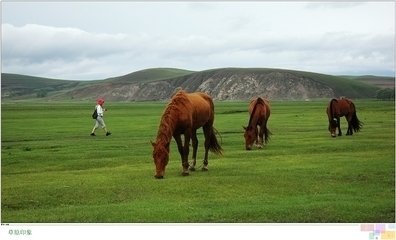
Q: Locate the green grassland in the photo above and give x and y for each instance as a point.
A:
(52, 171)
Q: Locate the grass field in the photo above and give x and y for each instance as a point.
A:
(52, 171)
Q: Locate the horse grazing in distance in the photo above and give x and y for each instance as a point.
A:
(185, 113)
(257, 130)
(342, 107)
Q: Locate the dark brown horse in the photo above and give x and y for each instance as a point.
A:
(185, 113)
(257, 130)
(342, 107)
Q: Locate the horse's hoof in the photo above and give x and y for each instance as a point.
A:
(159, 177)
(192, 168)
(205, 169)
(185, 173)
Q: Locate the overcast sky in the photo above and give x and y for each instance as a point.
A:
(97, 40)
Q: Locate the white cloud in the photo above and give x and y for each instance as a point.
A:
(323, 38)
(36, 42)
(64, 52)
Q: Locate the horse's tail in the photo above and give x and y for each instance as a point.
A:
(214, 145)
(267, 134)
(355, 122)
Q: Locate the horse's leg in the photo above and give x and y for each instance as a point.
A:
(339, 126)
(256, 137)
(349, 119)
(181, 151)
(194, 140)
(260, 142)
(186, 150)
(179, 144)
(266, 130)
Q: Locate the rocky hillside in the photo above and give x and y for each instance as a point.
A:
(221, 84)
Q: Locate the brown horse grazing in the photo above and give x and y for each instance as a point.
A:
(185, 113)
(259, 111)
(342, 107)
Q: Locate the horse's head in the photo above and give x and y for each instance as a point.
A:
(250, 136)
(161, 158)
(333, 127)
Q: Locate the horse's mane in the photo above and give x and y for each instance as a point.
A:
(332, 101)
(174, 107)
(258, 101)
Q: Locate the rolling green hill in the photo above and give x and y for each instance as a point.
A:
(379, 81)
(284, 82)
(18, 86)
(221, 84)
(152, 74)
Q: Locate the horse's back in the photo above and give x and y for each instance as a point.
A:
(200, 102)
(346, 106)
(264, 102)
(340, 107)
(202, 108)
(267, 107)
(259, 110)
(251, 105)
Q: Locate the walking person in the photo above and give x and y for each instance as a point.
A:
(99, 122)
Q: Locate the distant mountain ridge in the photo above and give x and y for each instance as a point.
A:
(222, 84)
